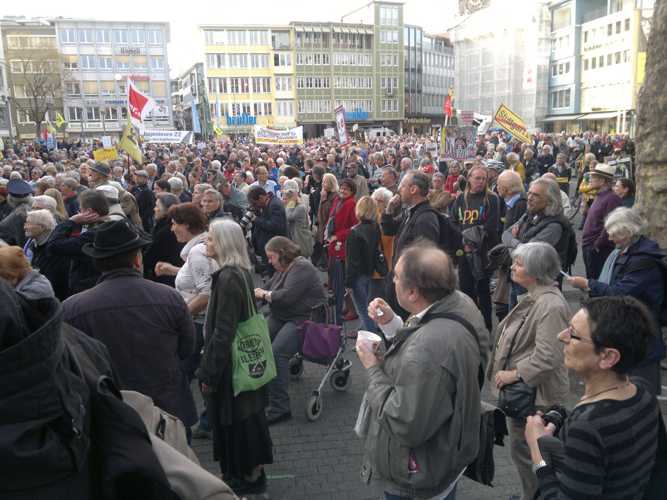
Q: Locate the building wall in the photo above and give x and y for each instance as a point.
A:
(563, 66)
(188, 91)
(503, 66)
(30, 43)
(249, 76)
(5, 94)
(97, 58)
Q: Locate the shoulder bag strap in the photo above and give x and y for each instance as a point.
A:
(509, 353)
(471, 329)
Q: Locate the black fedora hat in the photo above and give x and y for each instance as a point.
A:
(114, 238)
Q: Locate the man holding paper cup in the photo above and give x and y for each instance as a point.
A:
(420, 414)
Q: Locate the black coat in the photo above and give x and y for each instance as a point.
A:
(271, 222)
(228, 305)
(360, 251)
(54, 267)
(420, 221)
(165, 248)
(146, 203)
(11, 227)
(66, 241)
(148, 331)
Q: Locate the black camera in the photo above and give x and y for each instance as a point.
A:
(555, 415)
(246, 220)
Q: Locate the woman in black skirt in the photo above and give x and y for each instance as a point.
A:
(241, 440)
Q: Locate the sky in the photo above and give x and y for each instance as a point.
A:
(184, 16)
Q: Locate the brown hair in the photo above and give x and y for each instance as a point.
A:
(285, 248)
(13, 264)
(190, 215)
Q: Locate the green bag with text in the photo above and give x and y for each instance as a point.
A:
(253, 365)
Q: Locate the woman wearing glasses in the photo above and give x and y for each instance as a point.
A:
(610, 438)
(528, 349)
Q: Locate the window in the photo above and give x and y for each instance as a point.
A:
(280, 40)
(389, 105)
(137, 37)
(261, 85)
(74, 114)
(154, 37)
(70, 63)
(93, 113)
(282, 59)
(567, 67)
(238, 60)
(258, 37)
(283, 83)
(86, 36)
(24, 116)
(618, 27)
(389, 16)
(610, 29)
(562, 18)
(87, 61)
(389, 36)
(609, 59)
(626, 55)
(285, 108)
(245, 108)
(110, 114)
(158, 89)
(107, 87)
(600, 61)
(617, 58)
(585, 36)
(122, 87)
(90, 88)
(105, 62)
(259, 60)
(103, 36)
(560, 69)
(627, 24)
(585, 64)
(140, 63)
(121, 36)
(554, 69)
(560, 98)
(593, 62)
(236, 37)
(157, 62)
(122, 62)
(19, 91)
(68, 35)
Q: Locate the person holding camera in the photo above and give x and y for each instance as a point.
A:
(527, 363)
(267, 214)
(607, 446)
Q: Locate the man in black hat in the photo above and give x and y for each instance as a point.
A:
(19, 198)
(145, 325)
(99, 174)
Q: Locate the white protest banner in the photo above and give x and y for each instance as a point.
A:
(264, 135)
(341, 129)
(159, 135)
(459, 143)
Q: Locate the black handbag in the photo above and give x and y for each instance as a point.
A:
(516, 400)
(380, 265)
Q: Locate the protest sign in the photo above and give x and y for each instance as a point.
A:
(459, 143)
(264, 135)
(510, 122)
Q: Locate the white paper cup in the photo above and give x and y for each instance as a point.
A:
(366, 341)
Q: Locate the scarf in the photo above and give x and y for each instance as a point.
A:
(608, 268)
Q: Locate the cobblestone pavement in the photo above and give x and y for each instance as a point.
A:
(320, 460)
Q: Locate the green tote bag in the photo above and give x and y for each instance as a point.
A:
(253, 365)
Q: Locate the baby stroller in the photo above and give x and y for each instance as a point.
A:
(323, 343)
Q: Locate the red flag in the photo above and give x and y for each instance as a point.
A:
(448, 105)
(138, 104)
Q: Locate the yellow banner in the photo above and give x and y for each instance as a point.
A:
(510, 122)
(105, 154)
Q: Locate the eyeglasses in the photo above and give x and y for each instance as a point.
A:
(573, 334)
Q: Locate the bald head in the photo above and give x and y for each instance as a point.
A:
(509, 184)
(428, 270)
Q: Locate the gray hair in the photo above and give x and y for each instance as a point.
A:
(554, 203)
(176, 183)
(382, 194)
(291, 186)
(514, 182)
(43, 217)
(216, 194)
(540, 260)
(230, 246)
(625, 221)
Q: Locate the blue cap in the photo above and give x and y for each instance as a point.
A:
(19, 188)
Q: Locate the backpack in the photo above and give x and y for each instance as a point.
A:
(449, 237)
(568, 240)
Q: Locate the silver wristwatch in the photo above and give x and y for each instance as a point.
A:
(538, 466)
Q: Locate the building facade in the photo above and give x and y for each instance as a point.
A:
(6, 129)
(606, 59)
(249, 76)
(190, 103)
(97, 59)
(32, 66)
(429, 74)
(502, 57)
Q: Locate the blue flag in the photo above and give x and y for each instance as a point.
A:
(196, 126)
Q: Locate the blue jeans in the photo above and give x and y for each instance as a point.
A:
(389, 496)
(285, 343)
(361, 295)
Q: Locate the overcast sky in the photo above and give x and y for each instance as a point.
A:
(185, 15)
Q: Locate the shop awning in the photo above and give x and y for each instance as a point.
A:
(562, 118)
(603, 115)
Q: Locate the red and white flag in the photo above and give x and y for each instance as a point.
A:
(138, 104)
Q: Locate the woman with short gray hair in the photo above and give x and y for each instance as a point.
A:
(633, 268)
(528, 349)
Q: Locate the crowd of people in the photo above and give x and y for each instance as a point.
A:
(161, 262)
